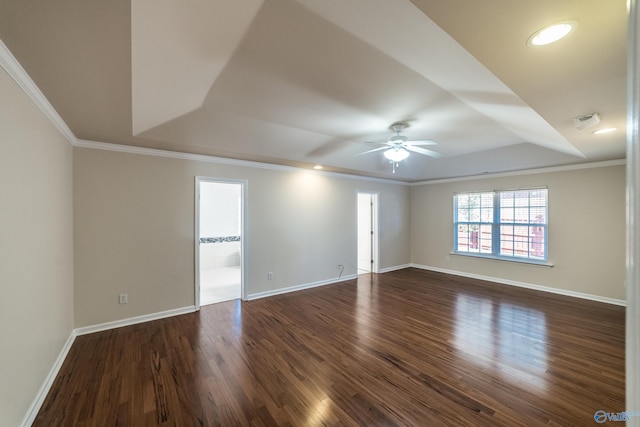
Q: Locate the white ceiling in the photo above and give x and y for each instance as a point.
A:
(305, 82)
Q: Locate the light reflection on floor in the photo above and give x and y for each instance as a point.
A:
(366, 301)
(319, 413)
(508, 338)
(237, 317)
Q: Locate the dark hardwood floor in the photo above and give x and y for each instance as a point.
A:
(409, 347)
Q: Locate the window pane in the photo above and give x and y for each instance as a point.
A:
(538, 197)
(474, 243)
(521, 198)
(507, 214)
(522, 214)
(537, 241)
(521, 241)
(487, 200)
(487, 207)
(463, 238)
(506, 199)
(506, 240)
(485, 239)
(462, 200)
(537, 215)
(474, 207)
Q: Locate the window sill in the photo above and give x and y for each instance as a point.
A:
(495, 258)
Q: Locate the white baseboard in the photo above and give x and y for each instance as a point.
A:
(286, 290)
(33, 410)
(525, 285)
(316, 284)
(134, 320)
(394, 268)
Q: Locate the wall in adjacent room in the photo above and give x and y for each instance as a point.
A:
(36, 250)
(586, 230)
(134, 229)
(219, 205)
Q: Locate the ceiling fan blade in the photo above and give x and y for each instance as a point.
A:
(424, 151)
(421, 142)
(371, 151)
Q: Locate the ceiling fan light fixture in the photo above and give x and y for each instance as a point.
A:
(396, 154)
(551, 33)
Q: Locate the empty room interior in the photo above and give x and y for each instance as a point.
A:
(412, 212)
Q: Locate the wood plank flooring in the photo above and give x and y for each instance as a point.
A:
(410, 347)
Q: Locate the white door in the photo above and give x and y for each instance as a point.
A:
(219, 240)
(367, 233)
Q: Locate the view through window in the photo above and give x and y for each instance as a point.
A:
(503, 224)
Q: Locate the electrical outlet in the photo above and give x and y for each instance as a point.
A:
(124, 298)
(270, 275)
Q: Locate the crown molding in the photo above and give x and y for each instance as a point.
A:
(589, 165)
(130, 149)
(11, 65)
(13, 68)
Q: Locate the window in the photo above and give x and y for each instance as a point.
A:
(501, 224)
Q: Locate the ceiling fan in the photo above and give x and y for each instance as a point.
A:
(398, 146)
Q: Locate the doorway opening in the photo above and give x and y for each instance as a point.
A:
(367, 233)
(219, 240)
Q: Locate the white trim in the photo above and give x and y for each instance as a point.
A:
(244, 185)
(395, 268)
(517, 260)
(288, 289)
(222, 160)
(633, 214)
(524, 285)
(196, 242)
(22, 79)
(134, 320)
(252, 164)
(375, 242)
(35, 406)
(590, 165)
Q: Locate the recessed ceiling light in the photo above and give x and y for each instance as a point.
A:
(317, 167)
(605, 130)
(551, 33)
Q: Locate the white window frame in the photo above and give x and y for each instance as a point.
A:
(480, 213)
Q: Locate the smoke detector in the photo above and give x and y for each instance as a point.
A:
(586, 121)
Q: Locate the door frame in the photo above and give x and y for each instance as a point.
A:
(375, 237)
(243, 231)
